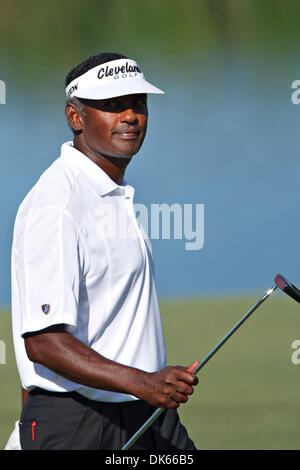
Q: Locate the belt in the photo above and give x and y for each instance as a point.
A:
(42, 391)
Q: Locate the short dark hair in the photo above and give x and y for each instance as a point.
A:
(90, 63)
(83, 67)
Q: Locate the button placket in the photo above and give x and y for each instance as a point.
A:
(128, 194)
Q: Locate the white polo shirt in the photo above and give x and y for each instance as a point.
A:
(79, 257)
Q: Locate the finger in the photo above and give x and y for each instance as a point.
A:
(185, 376)
(196, 381)
(180, 397)
(184, 388)
(193, 367)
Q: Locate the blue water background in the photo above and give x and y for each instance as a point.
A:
(225, 135)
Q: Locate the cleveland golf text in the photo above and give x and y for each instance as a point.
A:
(125, 70)
(151, 459)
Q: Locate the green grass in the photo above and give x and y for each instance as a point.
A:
(248, 394)
(10, 388)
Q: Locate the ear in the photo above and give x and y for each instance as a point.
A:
(73, 117)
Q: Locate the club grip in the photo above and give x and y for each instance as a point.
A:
(193, 366)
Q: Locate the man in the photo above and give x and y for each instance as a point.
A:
(86, 322)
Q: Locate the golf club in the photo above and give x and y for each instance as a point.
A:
(287, 287)
(280, 282)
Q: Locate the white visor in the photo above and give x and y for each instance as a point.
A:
(116, 78)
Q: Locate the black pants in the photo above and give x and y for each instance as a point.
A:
(69, 421)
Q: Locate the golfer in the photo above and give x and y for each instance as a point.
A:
(86, 323)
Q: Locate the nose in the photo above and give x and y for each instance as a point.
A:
(128, 115)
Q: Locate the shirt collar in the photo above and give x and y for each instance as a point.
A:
(100, 181)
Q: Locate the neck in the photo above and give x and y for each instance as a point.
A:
(114, 167)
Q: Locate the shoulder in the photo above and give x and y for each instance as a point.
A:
(59, 188)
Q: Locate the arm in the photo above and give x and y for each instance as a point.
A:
(61, 352)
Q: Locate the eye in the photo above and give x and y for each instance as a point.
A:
(141, 102)
(110, 104)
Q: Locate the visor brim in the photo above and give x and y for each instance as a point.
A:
(121, 88)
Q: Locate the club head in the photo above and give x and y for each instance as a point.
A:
(287, 287)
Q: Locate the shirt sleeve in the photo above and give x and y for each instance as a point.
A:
(48, 270)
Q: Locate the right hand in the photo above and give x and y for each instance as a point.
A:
(169, 387)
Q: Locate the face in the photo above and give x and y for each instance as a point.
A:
(113, 127)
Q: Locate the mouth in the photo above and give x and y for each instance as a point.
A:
(127, 133)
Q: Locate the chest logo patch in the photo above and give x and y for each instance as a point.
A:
(45, 308)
